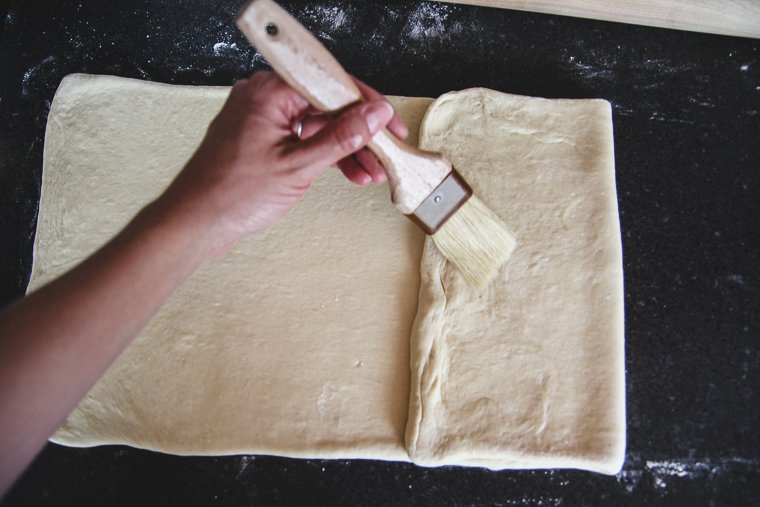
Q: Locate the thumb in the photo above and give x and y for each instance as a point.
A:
(343, 135)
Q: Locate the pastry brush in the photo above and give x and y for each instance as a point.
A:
(424, 185)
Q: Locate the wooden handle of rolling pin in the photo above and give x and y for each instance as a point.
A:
(726, 17)
(304, 63)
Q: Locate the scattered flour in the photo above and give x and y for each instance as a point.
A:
(737, 279)
(26, 81)
(244, 462)
(422, 25)
(327, 20)
(427, 22)
(224, 48)
(663, 472)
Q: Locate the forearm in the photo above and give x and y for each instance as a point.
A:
(56, 343)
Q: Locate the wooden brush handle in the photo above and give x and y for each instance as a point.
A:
(304, 63)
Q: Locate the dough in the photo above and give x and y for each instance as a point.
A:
(530, 372)
(297, 343)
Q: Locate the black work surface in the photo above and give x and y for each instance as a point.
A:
(686, 113)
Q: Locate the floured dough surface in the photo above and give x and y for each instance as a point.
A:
(530, 372)
(296, 343)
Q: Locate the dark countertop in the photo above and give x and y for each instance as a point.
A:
(687, 128)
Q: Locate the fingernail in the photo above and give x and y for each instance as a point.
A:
(378, 115)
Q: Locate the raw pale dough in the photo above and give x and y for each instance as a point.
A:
(529, 373)
(297, 342)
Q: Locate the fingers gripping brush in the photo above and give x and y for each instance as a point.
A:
(424, 185)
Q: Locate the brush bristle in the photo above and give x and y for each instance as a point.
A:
(476, 241)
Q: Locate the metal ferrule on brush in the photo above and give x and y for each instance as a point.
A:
(443, 202)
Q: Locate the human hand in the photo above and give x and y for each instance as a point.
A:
(363, 166)
(250, 169)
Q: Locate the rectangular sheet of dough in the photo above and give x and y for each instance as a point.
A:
(530, 372)
(297, 342)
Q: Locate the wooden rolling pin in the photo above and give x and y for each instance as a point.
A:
(725, 17)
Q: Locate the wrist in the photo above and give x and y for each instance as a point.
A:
(178, 231)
